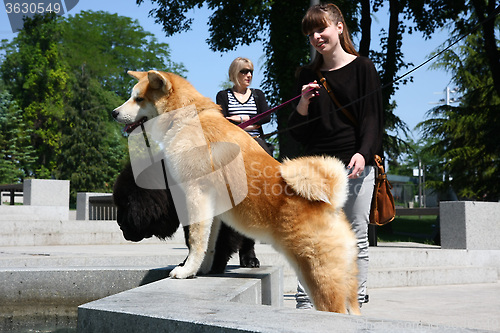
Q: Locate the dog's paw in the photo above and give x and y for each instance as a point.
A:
(251, 262)
(181, 272)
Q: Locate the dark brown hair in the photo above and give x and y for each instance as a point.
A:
(321, 16)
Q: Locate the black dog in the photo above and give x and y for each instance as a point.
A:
(143, 213)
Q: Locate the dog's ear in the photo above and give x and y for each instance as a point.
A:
(158, 81)
(137, 75)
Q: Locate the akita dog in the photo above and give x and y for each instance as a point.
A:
(296, 206)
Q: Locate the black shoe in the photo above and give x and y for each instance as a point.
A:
(366, 300)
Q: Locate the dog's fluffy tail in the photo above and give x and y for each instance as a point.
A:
(317, 179)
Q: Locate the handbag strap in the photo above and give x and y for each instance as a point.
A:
(378, 162)
(377, 158)
(334, 99)
(381, 175)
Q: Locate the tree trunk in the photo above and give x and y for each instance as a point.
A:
(391, 59)
(366, 24)
(484, 12)
(286, 51)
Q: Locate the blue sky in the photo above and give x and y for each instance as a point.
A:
(207, 70)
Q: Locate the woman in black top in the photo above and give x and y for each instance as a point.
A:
(240, 103)
(333, 133)
(326, 130)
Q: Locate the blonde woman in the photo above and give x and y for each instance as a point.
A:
(240, 103)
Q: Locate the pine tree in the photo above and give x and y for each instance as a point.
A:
(92, 148)
(16, 153)
(468, 133)
(36, 76)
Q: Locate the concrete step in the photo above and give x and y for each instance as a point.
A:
(62, 238)
(32, 213)
(51, 226)
(61, 232)
(395, 255)
(144, 254)
(66, 232)
(430, 276)
(391, 265)
(157, 255)
(76, 232)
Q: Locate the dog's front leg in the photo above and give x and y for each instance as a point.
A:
(209, 256)
(199, 234)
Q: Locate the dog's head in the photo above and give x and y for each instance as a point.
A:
(156, 93)
(143, 213)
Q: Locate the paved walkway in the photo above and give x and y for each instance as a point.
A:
(475, 306)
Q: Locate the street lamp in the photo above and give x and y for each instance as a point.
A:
(420, 173)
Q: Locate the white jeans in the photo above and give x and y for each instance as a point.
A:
(357, 210)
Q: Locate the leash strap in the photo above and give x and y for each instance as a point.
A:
(163, 167)
(335, 100)
(264, 114)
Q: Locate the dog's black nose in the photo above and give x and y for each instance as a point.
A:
(115, 114)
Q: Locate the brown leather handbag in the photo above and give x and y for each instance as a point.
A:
(382, 210)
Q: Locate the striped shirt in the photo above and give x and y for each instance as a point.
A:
(236, 108)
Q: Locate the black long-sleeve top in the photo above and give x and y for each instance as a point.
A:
(357, 87)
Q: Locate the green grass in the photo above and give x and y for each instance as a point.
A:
(416, 229)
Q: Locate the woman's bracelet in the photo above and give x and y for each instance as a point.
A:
(241, 119)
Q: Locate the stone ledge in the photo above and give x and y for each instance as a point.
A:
(77, 285)
(238, 286)
(43, 297)
(226, 303)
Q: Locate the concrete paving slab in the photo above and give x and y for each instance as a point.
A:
(470, 305)
(466, 306)
(473, 306)
(206, 304)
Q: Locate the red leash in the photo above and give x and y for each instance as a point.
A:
(264, 114)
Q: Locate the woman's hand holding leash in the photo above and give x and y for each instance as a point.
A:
(238, 119)
(309, 91)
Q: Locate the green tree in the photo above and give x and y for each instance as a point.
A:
(16, 150)
(463, 16)
(36, 75)
(67, 74)
(109, 45)
(93, 147)
(468, 134)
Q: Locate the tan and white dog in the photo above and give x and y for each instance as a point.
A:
(296, 206)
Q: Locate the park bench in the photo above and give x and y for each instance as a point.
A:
(13, 190)
(95, 206)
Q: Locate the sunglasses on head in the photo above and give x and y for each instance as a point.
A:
(245, 71)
